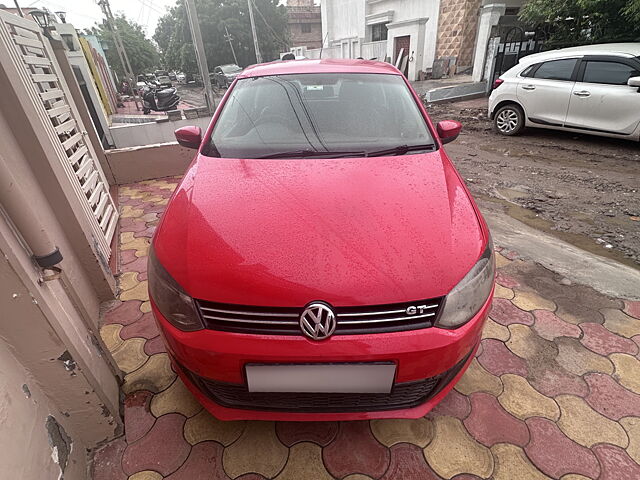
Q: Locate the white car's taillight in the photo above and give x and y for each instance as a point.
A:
(497, 83)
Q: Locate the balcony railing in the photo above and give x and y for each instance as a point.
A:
(377, 50)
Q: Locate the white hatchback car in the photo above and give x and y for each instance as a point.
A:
(590, 89)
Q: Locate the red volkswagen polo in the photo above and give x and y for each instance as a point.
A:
(322, 258)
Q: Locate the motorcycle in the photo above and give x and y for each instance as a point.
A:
(159, 99)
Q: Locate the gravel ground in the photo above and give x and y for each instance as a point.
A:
(583, 189)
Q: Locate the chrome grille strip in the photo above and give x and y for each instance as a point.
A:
(244, 320)
(386, 312)
(252, 314)
(397, 319)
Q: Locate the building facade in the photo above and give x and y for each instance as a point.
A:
(305, 24)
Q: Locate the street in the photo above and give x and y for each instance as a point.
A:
(582, 189)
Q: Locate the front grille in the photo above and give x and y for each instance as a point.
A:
(350, 320)
(402, 396)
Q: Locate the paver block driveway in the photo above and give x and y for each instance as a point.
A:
(554, 392)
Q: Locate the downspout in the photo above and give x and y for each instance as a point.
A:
(26, 219)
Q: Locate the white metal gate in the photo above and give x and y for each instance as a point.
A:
(38, 70)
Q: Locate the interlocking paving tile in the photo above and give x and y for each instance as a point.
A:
(619, 322)
(503, 292)
(552, 380)
(150, 452)
(610, 399)
(495, 330)
(137, 264)
(155, 375)
(632, 308)
(616, 464)
(523, 401)
(578, 360)
(505, 313)
(177, 399)
(453, 404)
(205, 426)
(128, 280)
(130, 212)
(601, 341)
(129, 356)
(511, 463)
(145, 327)
(146, 475)
(107, 461)
(501, 260)
(503, 427)
(355, 450)
(506, 280)
(124, 313)
(407, 462)
(138, 419)
(257, 450)
(139, 292)
(585, 426)
(549, 326)
(204, 462)
(627, 371)
(574, 311)
(477, 379)
(555, 454)
(530, 301)
(454, 451)
(391, 431)
(357, 476)
(110, 335)
(305, 460)
(321, 433)
(155, 345)
(145, 307)
(498, 360)
(632, 426)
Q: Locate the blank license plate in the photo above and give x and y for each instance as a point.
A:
(322, 378)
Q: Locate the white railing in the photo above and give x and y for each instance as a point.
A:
(327, 52)
(377, 50)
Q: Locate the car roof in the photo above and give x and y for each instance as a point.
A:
(622, 49)
(325, 65)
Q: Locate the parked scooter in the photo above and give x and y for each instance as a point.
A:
(159, 99)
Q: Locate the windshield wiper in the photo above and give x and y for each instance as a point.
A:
(401, 150)
(313, 153)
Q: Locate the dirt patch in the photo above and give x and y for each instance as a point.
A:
(584, 189)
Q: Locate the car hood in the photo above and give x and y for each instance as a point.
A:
(347, 231)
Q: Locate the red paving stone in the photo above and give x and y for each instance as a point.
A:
(632, 308)
(616, 464)
(601, 341)
(407, 463)
(549, 326)
(137, 265)
(145, 327)
(454, 404)
(124, 313)
(555, 454)
(504, 428)
(506, 313)
(506, 280)
(553, 381)
(155, 345)
(321, 433)
(497, 359)
(610, 399)
(137, 416)
(107, 461)
(204, 462)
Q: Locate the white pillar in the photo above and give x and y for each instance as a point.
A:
(489, 16)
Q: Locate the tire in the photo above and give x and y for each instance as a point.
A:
(146, 111)
(509, 120)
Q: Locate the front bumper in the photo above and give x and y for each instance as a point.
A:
(211, 363)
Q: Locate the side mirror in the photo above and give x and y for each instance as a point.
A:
(190, 137)
(634, 82)
(448, 130)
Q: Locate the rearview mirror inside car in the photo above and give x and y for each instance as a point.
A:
(448, 130)
(189, 137)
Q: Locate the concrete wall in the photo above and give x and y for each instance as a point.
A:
(152, 161)
(140, 134)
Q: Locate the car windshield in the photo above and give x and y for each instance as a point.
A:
(230, 68)
(313, 115)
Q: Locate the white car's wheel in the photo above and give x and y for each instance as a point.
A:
(509, 120)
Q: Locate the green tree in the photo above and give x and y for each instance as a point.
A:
(573, 22)
(174, 37)
(143, 54)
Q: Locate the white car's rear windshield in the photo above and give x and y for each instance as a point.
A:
(317, 113)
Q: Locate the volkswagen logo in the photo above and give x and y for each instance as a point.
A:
(318, 321)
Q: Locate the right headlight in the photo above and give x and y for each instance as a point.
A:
(469, 295)
(173, 302)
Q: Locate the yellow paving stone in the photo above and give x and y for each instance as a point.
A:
(627, 371)
(574, 476)
(146, 475)
(511, 463)
(389, 432)
(453, 451)
(521, 341)
(577, 359)
(129, 212)
(143, 251)
(111, 336)
(167, 185)
(130, 355)
(163, 202)
(501, 260)
(477, 379)
(357, 476)
(503, 292)
(155, 375)
(205, 426)
(619, 322)
(257, 450)
(127, 237)
(149, 217)
(523, 401)
(140, 245)
(305, 461)
(587, 427)
(532, 301)
(632, 426)
(495, 330)
(176, 398)
(139, 292)
(145, 307)
(128, 280)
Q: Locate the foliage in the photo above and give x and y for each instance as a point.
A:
(574, 22)
(173, 35)
(143, 54)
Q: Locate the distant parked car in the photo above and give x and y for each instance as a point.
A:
(172, 76)
(181, 77)
(164, 81)
(590, 89)
(224, 75)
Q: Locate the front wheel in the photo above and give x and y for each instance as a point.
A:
(509, 120)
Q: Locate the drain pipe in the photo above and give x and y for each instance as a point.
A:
(27, 220)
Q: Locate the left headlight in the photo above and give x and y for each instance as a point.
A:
(172, 301)
(469, 295)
